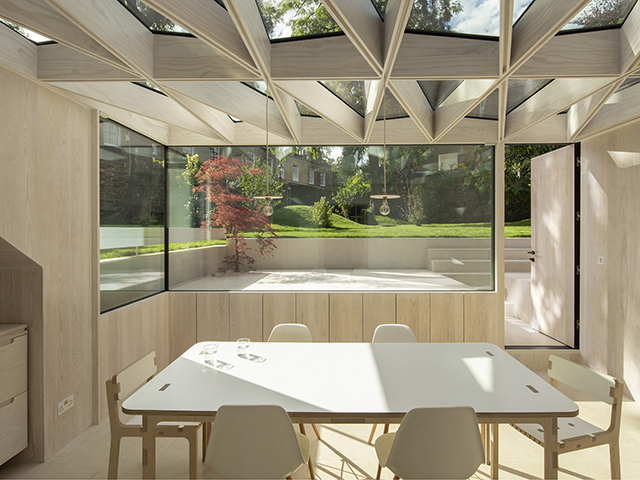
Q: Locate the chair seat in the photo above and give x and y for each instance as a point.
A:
(305, 446)
(383, 447)
(137, 421)
(568, 429)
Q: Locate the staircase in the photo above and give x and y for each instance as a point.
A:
(467, 260)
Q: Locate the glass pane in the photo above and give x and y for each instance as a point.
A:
(519, 7)
(350, 92)
(33, 36)
(488, 108)
(132, 215)
(522, 90)
(601, 13)
(391, 108)
(258, 87)
(457, 16)
(306, 111)
(330, 233)
(437, 91)
(150, 18)
(296, 18)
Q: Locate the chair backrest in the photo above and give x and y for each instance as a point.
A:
(122, 384)
(437, 443)
(253, 441)
(582, 378)
(290, 332)
(393, 333)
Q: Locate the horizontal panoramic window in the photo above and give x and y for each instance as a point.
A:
(132, 216)
(413, 218)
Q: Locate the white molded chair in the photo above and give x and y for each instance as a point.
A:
(119, 388)
(575, 433)
(255, 441)
(293, 332)
(391, 333)
(433, 443)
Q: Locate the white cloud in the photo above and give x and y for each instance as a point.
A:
(519, 7)
(480, 17)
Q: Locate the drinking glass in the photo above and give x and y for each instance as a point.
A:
(243, 347)
(210, 353)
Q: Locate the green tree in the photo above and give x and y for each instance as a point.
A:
(193, 205)
(601, 13)
(321, 213)
(351, 189)
(433, 15)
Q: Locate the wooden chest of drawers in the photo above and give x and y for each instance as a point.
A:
(13, 390)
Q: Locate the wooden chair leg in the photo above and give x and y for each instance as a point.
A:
(193, 454)
(379, 472)
(315, 429)
(114, 456)
(373, 431)
(486, 438)
(302, 430)
(614, 456)
(311, 468)
(206, 433)
(386, 428)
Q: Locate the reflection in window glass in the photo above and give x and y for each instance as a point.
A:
(330, 234)
(150, 18)
(601, 13)
(488, 108)
(476, 17)
(522, 90)
(391, 108)
(132, 216)
(33, 36)
(350, 92)
(296, 18)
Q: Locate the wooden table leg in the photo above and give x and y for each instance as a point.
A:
(550, 426)
(495, 429)
(149, 446)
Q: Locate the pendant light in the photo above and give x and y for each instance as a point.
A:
(268, 208)
(384, 208)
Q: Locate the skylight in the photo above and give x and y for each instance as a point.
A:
(519, 7)
(33, 36)
(629, 82)
(437, 91)
(305, 111)
(285, 19)
(601, 13)
(522, 90)
(350, 92)
(150, 18)
(391, 108)
(476, 17)
(488, 108)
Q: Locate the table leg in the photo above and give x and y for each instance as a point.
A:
(149, 446)
(495, 429)
(550, 426)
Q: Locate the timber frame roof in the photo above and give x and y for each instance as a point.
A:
(100, 49)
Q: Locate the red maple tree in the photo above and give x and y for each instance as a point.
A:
(219, 179)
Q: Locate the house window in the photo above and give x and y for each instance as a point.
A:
(448, 161)
(323, 181)
(271, 170)
(311, 176)
(295, 172)
(110, 134)
(281, 172)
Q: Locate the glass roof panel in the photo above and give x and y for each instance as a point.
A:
(150, 18)
(258, 87)
(296, 18)
(305, 111)
(437, 91)
(629, 82)
(33, 36)
(601, 13)
(391, 108)
(488, 108)
(522, 90)
(476, 17)
(350, 92)
(519, 7)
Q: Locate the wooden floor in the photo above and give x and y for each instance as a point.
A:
(344, 453)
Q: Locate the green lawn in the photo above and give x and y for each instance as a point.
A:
(296, 222)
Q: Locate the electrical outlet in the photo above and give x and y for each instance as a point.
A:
(601, 260)
(65, 405)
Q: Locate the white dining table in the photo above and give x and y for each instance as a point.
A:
(354, 383)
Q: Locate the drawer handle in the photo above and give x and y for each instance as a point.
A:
(7, 403)
(7, 342)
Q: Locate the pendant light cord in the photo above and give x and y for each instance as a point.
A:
(384, 141)
(267, 140)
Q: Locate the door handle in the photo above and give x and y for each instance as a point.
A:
(532, 252)
(532, 259)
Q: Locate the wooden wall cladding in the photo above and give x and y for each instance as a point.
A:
(334, 317)
(312, 309)
(345, 317)
(413, 310)
(129, 333)
(45, 212)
